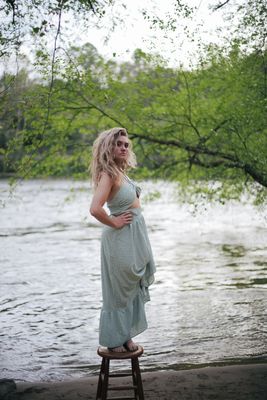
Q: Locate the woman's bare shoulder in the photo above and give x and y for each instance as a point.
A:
(108, 180)
(106, 183)
(105, 177)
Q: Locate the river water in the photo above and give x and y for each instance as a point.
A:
(208, 303)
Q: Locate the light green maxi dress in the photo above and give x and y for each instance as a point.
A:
(127, 270)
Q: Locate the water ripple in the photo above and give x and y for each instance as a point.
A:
(208, 304)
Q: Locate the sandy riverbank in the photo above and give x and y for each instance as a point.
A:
(238, 382)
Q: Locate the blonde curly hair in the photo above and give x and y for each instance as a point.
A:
(103, 155)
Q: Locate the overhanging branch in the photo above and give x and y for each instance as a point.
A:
(216, 158)
(197, 149)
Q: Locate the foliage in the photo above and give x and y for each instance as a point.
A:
(250, 30)
(21, 18)
(204, 124)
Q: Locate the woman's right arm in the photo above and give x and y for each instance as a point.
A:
(99, 199)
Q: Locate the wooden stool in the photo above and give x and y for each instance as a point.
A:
(103, 381)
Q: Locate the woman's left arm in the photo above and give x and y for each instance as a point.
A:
(99, 199)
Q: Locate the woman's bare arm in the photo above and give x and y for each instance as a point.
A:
(99, 199)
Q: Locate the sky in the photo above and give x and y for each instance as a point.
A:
(133, 31)
(130, 31)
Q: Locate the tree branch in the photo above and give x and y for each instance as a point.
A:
(101, 110)
(51, 85)
(220, 5)
(189, 116)
(220, 158)
(205, 138)
(216, 163)
(261, 177)
(185, 146)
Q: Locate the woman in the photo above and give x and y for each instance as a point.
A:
(127, 265)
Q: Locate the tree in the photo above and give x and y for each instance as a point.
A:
(251, 29)
(23, 18)
(212, 120)
(207, 124)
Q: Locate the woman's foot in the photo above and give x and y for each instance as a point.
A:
(119, 349)
(130, 345)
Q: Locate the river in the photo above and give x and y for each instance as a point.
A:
(208, 303)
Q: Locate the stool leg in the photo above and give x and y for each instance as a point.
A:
(137, 380)
(102, 386)
(105, 380)
(99, 386)
(134, 380)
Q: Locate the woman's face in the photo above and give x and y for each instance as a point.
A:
(121, 149)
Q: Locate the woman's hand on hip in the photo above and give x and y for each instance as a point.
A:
(123, 219)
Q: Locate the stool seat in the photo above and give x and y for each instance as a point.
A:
(104, 375)
(113, 355)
